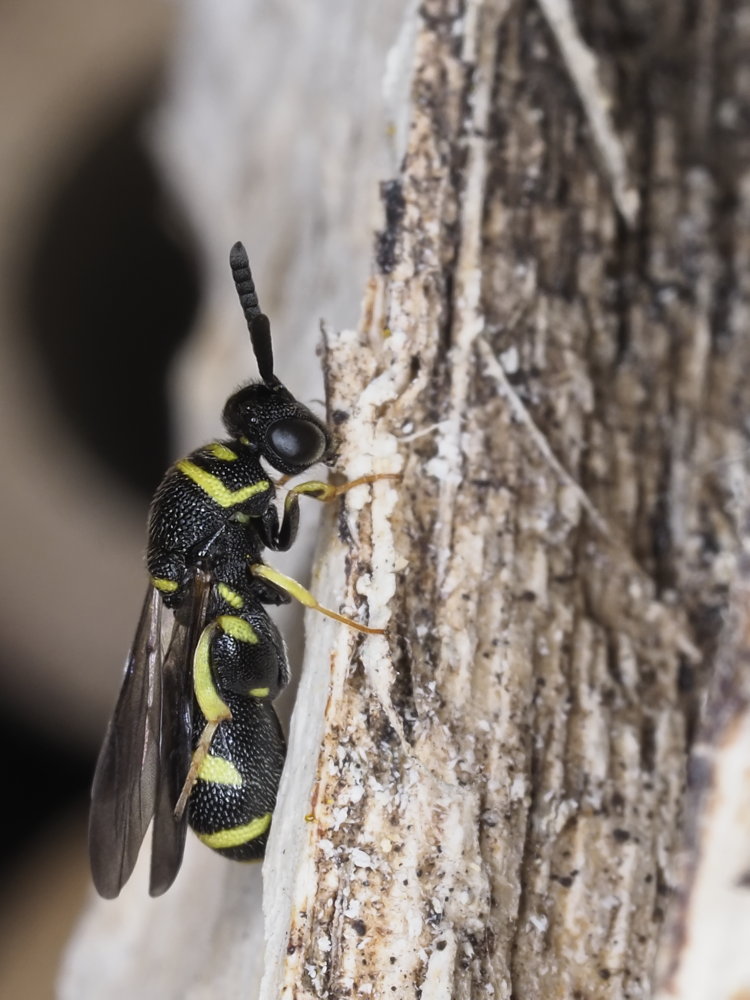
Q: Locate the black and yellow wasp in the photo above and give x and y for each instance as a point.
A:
(194, 737)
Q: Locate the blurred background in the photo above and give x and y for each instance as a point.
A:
(138, 142)
(99, 285)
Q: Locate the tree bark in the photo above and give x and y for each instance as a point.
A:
(488, 800)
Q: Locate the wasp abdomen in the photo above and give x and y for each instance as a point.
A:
(239, 652)
(232, 801)
(251, 655)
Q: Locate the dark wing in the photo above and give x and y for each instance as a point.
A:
(176, 748)
(123, 793)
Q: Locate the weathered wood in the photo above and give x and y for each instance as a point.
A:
(705, 951)
(496, 809)
(553, 355)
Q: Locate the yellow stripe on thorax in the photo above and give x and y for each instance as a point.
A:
(208, 698)
(163, 585)
(220, 451)
(214, 488)
(237, 835)
(219, 771)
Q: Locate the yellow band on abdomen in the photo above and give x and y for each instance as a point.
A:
(219, 771)
(237, 835)
(237, 628)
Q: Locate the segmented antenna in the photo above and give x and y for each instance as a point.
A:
(257, 322)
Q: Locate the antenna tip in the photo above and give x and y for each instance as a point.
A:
(238, 256)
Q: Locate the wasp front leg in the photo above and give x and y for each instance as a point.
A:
(279, 536)
(324, 492)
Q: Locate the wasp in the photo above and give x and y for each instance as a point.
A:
(194, 738)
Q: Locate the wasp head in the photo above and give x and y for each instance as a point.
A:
(269, 420)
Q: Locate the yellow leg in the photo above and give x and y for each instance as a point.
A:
(304, 596)
(213, 707)
(199, 755)
(325, 491)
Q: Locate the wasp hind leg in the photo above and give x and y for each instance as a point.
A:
(303, 595)
(215, 711)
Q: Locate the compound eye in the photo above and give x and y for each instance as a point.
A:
(297, 441)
